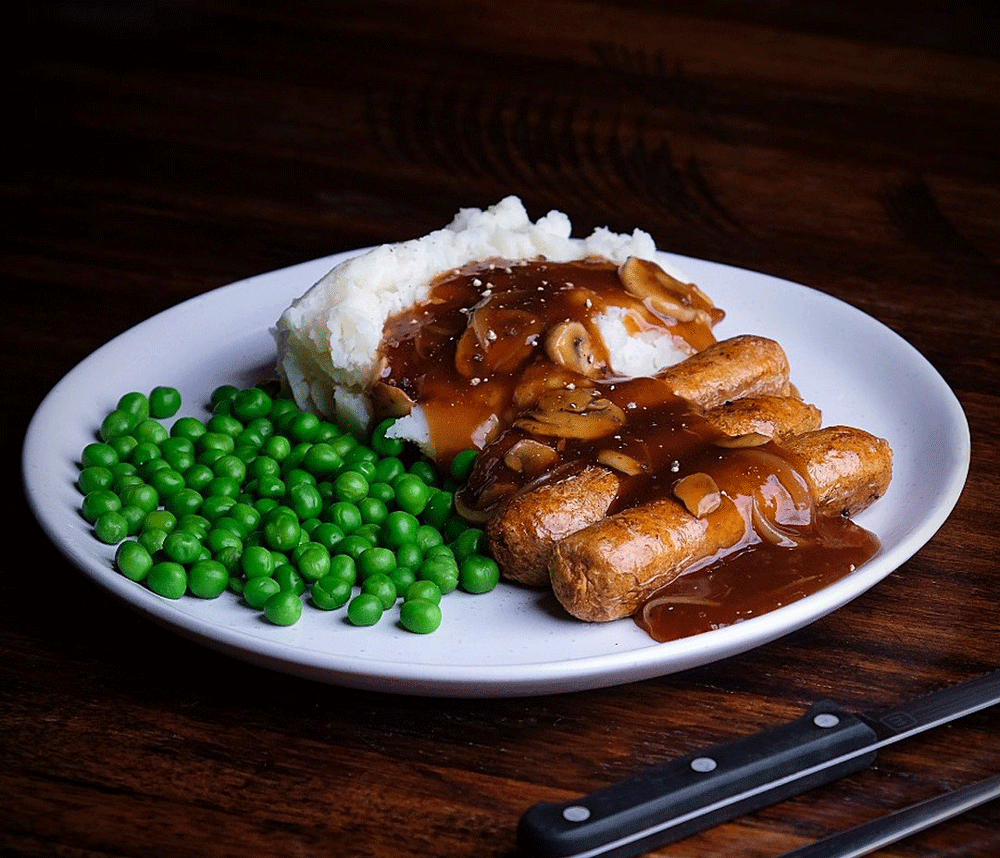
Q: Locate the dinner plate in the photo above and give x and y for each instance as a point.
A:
(512, 641)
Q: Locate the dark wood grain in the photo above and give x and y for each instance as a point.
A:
(160, 149)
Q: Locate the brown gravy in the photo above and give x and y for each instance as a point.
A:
(482, 360)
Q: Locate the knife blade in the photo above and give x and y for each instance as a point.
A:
(675, 799)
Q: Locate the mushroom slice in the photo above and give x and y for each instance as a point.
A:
(390, 401)
(530, 457)
(568, 344)
(699, 493)
(666, 295)
(577, 413)
(621, 462)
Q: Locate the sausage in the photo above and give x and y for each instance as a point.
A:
(606, 571)
(524, 530)
(741, 366)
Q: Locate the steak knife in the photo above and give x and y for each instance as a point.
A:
(675, 799)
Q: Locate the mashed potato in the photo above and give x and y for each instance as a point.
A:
(328, 339)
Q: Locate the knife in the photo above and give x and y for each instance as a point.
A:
(677, 798)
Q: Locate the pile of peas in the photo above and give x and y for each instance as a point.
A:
(280, 507)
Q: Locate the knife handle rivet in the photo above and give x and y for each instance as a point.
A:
(826, 719)
(576, 813)
(703, 764)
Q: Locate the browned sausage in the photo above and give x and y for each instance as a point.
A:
(524, 530)
(606, 570)
(741, 366)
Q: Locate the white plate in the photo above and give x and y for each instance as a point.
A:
(510, 642)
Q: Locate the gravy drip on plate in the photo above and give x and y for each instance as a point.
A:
(507, 358)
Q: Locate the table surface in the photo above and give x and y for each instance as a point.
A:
(162, 149)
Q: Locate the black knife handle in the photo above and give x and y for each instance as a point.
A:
(665, 803)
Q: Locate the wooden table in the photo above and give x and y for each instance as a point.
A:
(162, 149)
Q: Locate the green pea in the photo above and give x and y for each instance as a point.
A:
(133, 560)
(277, 447)
(322, 460)
(386, 446)
(168, 579)
(216, 506)
(134, 518)
(166, 481)
(409, 556)
(306, 500)
(141, 495)
(223, 394)
(190, 428)
(330, 593)
(246, 516)
(439, 506)
(424, 470)
(257, 562)
(350, 486)
(164, 402)
(208, 579)
(282, 532)
(375, 560)
(182, 547)
(478, 574)
(402, 577)
(429, 537)
(344, 567)
(442, 572)
(327, 534)
(400, 528)
(196, 525)
(213, 440)
(345, 515)
(388, 469)
(115, 424)
(269, 486)
(421, 616)
(354, 545)
(283, 608)
(178, 452)
(219, 538)
(161, 519)
(412, 494)
(225, 486)
(313, 561)
(98, 502)
(98, 454)
(198, 476)
(185, 501)
(289, 578)
(111, 527)
(305, 426)
(95, 477)
(468, 542)
(365, 609)
(256, 591)
(423, 590)
(152, 539)
(144, 452)
(461, 465)
(150, 431)
(135, 404)
(382, 587)
(251, 403)
(230, 467)
(123, 445)
(373, 510)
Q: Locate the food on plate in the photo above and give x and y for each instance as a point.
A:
(276, 506)
(619, 449)
(468, 311)
(607, 570)
(524, 529)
